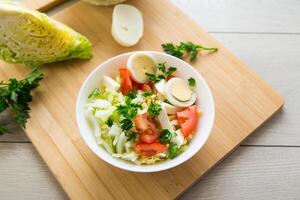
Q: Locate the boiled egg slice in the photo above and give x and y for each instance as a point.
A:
(164, 120)
(160, 85)
(178, 93)
(170, 109)
(139, 64)
(127, 25)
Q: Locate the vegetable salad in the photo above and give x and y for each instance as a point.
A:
(145, 114)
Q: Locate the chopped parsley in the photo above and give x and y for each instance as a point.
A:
(173, 151)
(192, 82)
(166, 136)
(154, 109)
(132, 95)
(147, 94)
(126, 124)
(129, 110)
(131, 135)
(109, 122)
(185, 49)
(164, 73)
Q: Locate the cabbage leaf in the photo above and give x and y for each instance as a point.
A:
(33, 38)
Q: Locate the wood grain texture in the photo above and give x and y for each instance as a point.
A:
(260, 16)
(249, 173)
(252, 173)
(41, 5)
(66, 154)
(53, 131)
(25, 176)
(276, 58)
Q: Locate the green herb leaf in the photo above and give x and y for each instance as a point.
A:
(154, 109)
(173, 50)
(109, 122)
(173, 151)
(163, 75)
(17, 95)
(132, 94)
(3, 130)
(166, 136)
(126, 124)
(131, 135)
(129, 110)
(188, 49)
(161, 67)
(147, 94)
(192, 82)
(170, 71)
(152, 78)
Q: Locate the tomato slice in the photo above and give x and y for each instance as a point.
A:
(126, 83)
(145, 87)
(187, 120)
(150, 149)
(146, 128)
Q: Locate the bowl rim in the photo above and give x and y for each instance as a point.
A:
(161, 167)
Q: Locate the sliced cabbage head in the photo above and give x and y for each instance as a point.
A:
(104, 2)
(33, 38)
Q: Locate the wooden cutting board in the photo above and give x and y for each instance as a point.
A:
(41, 5)
(243, 103)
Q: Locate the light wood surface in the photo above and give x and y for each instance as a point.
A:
(280, 70)
(249, 173)
(41, 5)
(256, 16)
(243, 102)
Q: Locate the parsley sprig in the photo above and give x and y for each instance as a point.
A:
(188, 49)
(16, 94)
(166, 136)
(129, 109)
(164, 73)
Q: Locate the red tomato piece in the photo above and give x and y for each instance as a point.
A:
(187, 120)
(170, 76)
(126, 83)
(146, 128)
(150, 149)
(145, 87)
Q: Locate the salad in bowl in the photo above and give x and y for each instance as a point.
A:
(145, 111)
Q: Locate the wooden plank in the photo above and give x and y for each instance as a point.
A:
(244, 16)
(243, 102)
(250, 173)
(276, 59)
(25, 176)
(278, 66)
(16, 134)
(41, 5)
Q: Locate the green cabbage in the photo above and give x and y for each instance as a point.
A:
(104, 2)
(33, 38)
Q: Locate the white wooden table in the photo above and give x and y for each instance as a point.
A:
(265, 34)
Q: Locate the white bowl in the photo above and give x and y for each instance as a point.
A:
(205, 102)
